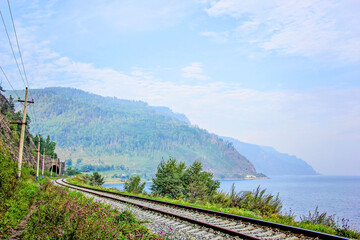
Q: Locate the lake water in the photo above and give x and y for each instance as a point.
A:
(339, 195)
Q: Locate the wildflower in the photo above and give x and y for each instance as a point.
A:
(11, 229)
(160, 232)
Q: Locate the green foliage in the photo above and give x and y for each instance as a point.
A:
(169, 179)
(16, 197)
(133, 185)
(318, 218)
(71, 172)
(11, 103)
(4, 109)
(47, 144)
(134, 132)
(126, 216)
(257, 201)
(63, 214)
(8, 180)
(199, 184)
(341, 227)
(174, 180)
(94, 180)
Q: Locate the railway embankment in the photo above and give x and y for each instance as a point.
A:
(319, 222)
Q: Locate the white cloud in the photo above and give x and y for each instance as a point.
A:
(221, 37)
(300, 123)
(316, 125)
(322, 28)
(194, 71)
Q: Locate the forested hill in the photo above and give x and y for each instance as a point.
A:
(108, 131)
(271, 162)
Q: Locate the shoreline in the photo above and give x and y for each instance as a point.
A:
(237, 179)
(224, 179)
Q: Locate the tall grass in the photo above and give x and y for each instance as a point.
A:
(64, 214)
(258, 200)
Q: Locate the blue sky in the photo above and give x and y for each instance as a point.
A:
(275, 72)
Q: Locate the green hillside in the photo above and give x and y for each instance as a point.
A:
(105, 131)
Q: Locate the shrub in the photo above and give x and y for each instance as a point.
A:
(63, 214)
(175, 180)
(133, 185)
(257, 201)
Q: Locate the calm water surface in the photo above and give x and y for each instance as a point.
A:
(339, 195)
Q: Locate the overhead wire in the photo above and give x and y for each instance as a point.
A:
(7, 79)
(31, 108)
(12, 49)
(17, 42)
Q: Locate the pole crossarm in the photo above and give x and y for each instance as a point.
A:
(26, 101)
(18, 123)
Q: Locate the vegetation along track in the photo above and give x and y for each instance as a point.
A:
(197, 223)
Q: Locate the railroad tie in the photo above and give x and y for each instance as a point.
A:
(279, 236)
(217, 238)
(267, 233)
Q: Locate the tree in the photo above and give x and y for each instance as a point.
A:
(133, 185)
(47, 144)
(168, 180)
(96, 179)
(199, 184)
(11, 103)
(28, 121)
(70, 172)
(174, 180)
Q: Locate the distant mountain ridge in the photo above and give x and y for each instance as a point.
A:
(97, 130)
(271, 162)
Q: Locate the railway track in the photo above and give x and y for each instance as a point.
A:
(185, 222)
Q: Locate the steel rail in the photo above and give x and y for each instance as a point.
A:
(204, 224)
(295, 230)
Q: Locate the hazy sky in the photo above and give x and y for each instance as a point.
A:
(283, 73)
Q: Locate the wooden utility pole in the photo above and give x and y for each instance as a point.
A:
(51, 169)
(43, 163)
(59, 168)
(38, 159)
(22, 134)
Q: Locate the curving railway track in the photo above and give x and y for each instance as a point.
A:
(185, 222)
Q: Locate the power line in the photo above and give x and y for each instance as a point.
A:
(7, 79)
(32, 110)
(17, 42)
(12, 49)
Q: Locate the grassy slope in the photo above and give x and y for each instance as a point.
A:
(59, 213)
